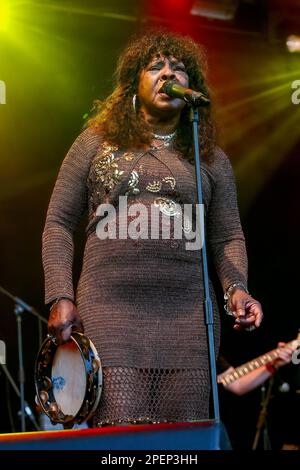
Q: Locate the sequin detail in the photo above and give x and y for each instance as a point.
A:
(106, 168)
(172, 209)
(129, 421)
(156, 185)
(107, 172)
(170, 180)
(167, 206)
(132, 184)
(129, 156)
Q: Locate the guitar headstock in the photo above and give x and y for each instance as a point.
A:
(296, 343)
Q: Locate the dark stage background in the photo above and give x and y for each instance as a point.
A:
(56, 57)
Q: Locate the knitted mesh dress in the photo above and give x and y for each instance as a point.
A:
(141, 299)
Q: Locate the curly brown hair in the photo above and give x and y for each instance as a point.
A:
(115, 118)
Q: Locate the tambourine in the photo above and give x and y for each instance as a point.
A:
(68, 379)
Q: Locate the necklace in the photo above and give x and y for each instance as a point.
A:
(166, 137)
(165, 140)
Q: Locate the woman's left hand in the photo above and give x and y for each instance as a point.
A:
(247, 311)
(285, 354)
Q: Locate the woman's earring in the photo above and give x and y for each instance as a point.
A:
(134, 103)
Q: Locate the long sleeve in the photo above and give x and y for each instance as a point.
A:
(225, 235)
(66, 207)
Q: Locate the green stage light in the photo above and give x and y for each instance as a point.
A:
(4, 15)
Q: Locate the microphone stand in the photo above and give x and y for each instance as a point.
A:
(27, 408)
(261, 422)
(20, 307)
(194, 117)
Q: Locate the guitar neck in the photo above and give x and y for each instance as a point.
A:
(248, 367)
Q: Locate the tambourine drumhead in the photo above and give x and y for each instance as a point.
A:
(68, 379)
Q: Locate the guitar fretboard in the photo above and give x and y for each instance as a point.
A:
(254, 364)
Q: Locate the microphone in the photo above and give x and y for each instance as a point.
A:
(192, 97)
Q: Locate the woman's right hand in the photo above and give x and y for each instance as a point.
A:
(63, 320)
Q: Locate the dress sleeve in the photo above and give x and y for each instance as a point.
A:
(67, 205)
(224, 231)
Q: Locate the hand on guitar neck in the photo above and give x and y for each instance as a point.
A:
(247, 377)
